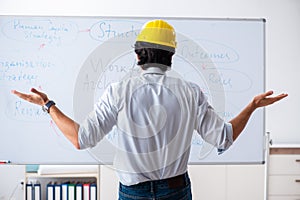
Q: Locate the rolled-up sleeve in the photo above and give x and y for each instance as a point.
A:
(99, 122)
(212, 128)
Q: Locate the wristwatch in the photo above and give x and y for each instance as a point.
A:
(47, 106)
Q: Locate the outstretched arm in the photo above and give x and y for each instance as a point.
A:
(67, 125)
(240, 121)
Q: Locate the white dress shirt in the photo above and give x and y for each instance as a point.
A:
(155, 116)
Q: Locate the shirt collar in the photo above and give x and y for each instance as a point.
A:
(153, 70)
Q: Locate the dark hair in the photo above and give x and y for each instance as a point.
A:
(149, 53)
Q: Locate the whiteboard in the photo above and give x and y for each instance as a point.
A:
(73, 59)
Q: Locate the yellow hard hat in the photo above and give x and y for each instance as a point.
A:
(158, 32)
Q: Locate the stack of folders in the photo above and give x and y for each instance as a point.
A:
(33, 191)
(71, 191)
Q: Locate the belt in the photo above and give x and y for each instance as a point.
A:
(172, 183)
(178, 181)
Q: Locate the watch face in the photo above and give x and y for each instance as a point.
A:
(44, 108)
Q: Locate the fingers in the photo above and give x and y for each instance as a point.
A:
(36, 91)
(264, 95)
(265, 99)
(271, 100)
(14, 92)
(26, 97)
(35, 98)
(281, 96)
(270, 92)
(19, 94)
(40, 94)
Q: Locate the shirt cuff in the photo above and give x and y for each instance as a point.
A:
(228, 139)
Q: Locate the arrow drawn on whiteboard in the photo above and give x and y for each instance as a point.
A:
(84, 30)
(61, 141)
(53, 127)
(42, 46)
(203, 66)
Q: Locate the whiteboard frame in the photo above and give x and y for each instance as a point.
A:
(184, 18)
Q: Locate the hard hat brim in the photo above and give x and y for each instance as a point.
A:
(141, 45)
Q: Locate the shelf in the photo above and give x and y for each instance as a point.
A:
(65, 175)
(285, 150)
(59, 174)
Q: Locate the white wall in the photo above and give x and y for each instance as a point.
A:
(10, 182)
(282, 38)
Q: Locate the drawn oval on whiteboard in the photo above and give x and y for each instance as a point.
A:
(41, 31)
(23, 111)
(231, 80)
(206, 51)
(107, 29)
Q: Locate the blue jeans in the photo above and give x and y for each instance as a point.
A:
(177, 188)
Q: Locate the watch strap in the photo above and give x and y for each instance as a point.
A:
(47, 106)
